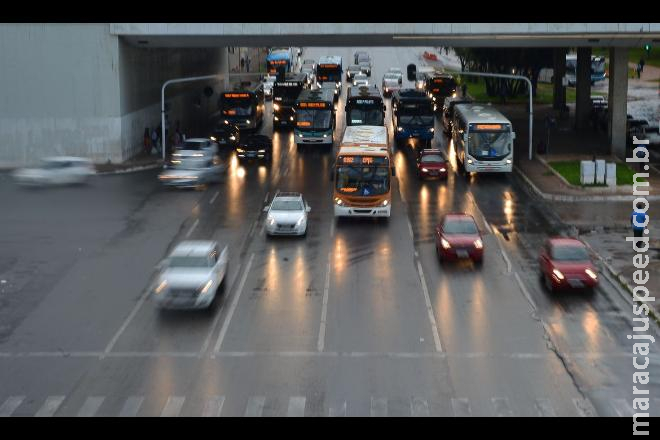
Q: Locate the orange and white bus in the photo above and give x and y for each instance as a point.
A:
(363, 173)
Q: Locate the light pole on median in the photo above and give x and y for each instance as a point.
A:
(529, 84)
(162, 102)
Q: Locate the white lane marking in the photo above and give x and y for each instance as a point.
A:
(255, 406)
(419, 407)
(481, 214)
(524, 291)
(50, 406)
(296, 407)
(225, 325)
(410, 228)
(91, 405)
(173, 406)
(332, 226)
(461, 407)
(501, 406)
(429, 309)
(338, 411)
(324, 308)
(215, 196)
(10, 405)
(622, 408)
(378, 407)
(544, 408)
(488, 227)
(131, 406)
(213, 407)
(584, 407)
(252, 228)
(506, 258)
(192, 228)
(121, 330)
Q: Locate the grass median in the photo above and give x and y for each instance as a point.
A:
(570, 170)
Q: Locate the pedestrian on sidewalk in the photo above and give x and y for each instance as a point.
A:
(639, 71)
(641, 64)
(639, 217)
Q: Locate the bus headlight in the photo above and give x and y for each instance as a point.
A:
(232, 137)
(399, 128)
(276, 107)
(454, 95)
(385, 203)
(508, 161)
(213, 138)
(325, 135)
(247, 121)
(338, 201)
(434, 99)
(240, 150)
(226, 121)
(470, 161)
(445, 244)
(432, 129)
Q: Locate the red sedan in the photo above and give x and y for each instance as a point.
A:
(565, 263)
(432, 163)
(457, 236)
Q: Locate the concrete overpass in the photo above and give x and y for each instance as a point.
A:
(389, 34)
(92, 89)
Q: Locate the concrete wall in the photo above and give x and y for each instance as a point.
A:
(59, 92)
(142, 74)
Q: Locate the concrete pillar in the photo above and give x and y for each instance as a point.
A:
(558, 73)
(583, 88)
(224, 67)
(618, 100)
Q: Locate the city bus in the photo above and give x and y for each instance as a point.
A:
(243, 106)
(363, 172)
(483, 139)
(412, 117)
(330, 68)
(440, 86)
(285, 93)
(364, 106)
(315, 118)
(280, 60)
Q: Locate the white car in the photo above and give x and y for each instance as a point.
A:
(390, 83)
(396, 71)
(61, 170)
(287, 214)
(269, 82)
(191, 172)
(311, 73)
(360, 79)
(191, 275)
(197, 147)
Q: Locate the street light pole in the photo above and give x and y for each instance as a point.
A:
(162, 102)
(529, 84)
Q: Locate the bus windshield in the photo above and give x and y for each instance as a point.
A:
(237, 107)
(328, 73)
(286, 94)
(366, 116)
(363, 180)
(489, 144)
(416, 113)
(313, 119)
(442, 86)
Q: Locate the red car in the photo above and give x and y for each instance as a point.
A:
(432, 163)
(565, 263)
(457, 236)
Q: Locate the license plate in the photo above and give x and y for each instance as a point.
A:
(575, 283)
(462, 253)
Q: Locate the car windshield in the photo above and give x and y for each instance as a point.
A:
(366, 116)
(193, 145)
(286, 205)
(188, 262)
(431, 158)
(363, 181)
(53, 164)
(391, 76)
(492, 144)
(569, 253)
(313, 119)
(466, 226)
(354, 68)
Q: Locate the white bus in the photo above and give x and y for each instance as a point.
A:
(483, 139)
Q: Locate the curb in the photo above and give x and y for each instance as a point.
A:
(574, 199)
(622, 281)
(130, 170)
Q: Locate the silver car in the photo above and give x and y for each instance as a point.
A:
(61, 170)
(191, 275)
(390, 83)
(360, 80)
(269, 82)
(191, 172)
(287, 214)
(197, 147)
(352, 71)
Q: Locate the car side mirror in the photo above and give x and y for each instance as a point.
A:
(513, 135)
(162, 264)
(308, 208)
(265, 209)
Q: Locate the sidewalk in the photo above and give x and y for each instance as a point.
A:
(139, 162)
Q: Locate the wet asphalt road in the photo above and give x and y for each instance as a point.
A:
(358, 318)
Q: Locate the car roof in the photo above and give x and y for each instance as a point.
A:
(459, 216)
(430, 151)
(288, 194)
(193, 248)
(565, 241)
